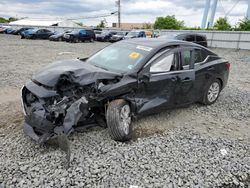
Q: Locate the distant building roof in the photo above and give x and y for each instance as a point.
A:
(44, 22)
(132, 25)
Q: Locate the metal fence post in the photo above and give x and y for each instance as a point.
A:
(238, 42)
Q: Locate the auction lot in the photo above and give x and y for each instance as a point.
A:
(195, 146)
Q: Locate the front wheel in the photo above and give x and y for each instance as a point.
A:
(119, 120)
(212, 92)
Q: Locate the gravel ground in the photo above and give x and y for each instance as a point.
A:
(196, 146)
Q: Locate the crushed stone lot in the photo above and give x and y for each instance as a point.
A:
(195, 146)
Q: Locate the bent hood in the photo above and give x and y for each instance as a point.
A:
(77, 70)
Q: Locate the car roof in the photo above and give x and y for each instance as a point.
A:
(198, 34)
(157, 42)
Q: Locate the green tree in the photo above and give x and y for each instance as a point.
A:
(102, 24)
(244, 25)
(222, 24)
(168, 22)
(3, 20)
(12, 19)
(147, 26)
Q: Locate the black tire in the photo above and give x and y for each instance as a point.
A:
(205, 99)
(115, 123)
(76, 40)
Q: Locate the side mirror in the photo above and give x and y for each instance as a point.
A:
(144, 77)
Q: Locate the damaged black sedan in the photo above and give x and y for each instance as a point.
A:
(125, 80)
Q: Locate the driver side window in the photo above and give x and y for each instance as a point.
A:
(164, 64)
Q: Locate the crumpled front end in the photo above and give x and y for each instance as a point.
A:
(47, 114)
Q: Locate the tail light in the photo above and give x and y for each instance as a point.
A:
(228, 66)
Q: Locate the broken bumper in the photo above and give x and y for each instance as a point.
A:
(37, 125)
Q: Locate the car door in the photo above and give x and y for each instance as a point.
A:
(161, 87)
(39, 33)
(185, 89)
(201, 72)
(46, 33)
(83, 35)
(42, 34)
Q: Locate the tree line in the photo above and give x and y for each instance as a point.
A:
(222, 24)
(7, 20)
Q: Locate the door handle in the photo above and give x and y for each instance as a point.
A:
(187, 79)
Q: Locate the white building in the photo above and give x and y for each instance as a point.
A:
(45, 22)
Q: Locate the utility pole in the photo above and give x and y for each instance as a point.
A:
(119, 13)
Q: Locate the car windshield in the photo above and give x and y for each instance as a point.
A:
(120, 57)
(33, 30)
(75, 31)
(98, 32)
(133, 33)
(105, 33)
(119, 33)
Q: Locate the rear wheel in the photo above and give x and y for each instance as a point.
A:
(119, 120)
(212, 92)
(75, 40)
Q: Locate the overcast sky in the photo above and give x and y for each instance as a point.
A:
(132, 10)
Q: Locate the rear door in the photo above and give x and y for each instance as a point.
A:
(83, 34)
(39, 33)
(46, 33)
(185, 89)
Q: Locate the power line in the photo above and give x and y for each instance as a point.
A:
(228, 12)
(222, 7)
(78, 18)
(94, 16)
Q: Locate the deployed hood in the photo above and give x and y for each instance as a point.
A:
(76, 70)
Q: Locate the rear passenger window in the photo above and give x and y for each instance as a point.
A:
(190, 38)
(186, 57)
(199, 55)
(200, 38)
(180, 37)
(83, 32)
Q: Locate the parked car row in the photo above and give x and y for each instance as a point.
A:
(82, 35)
